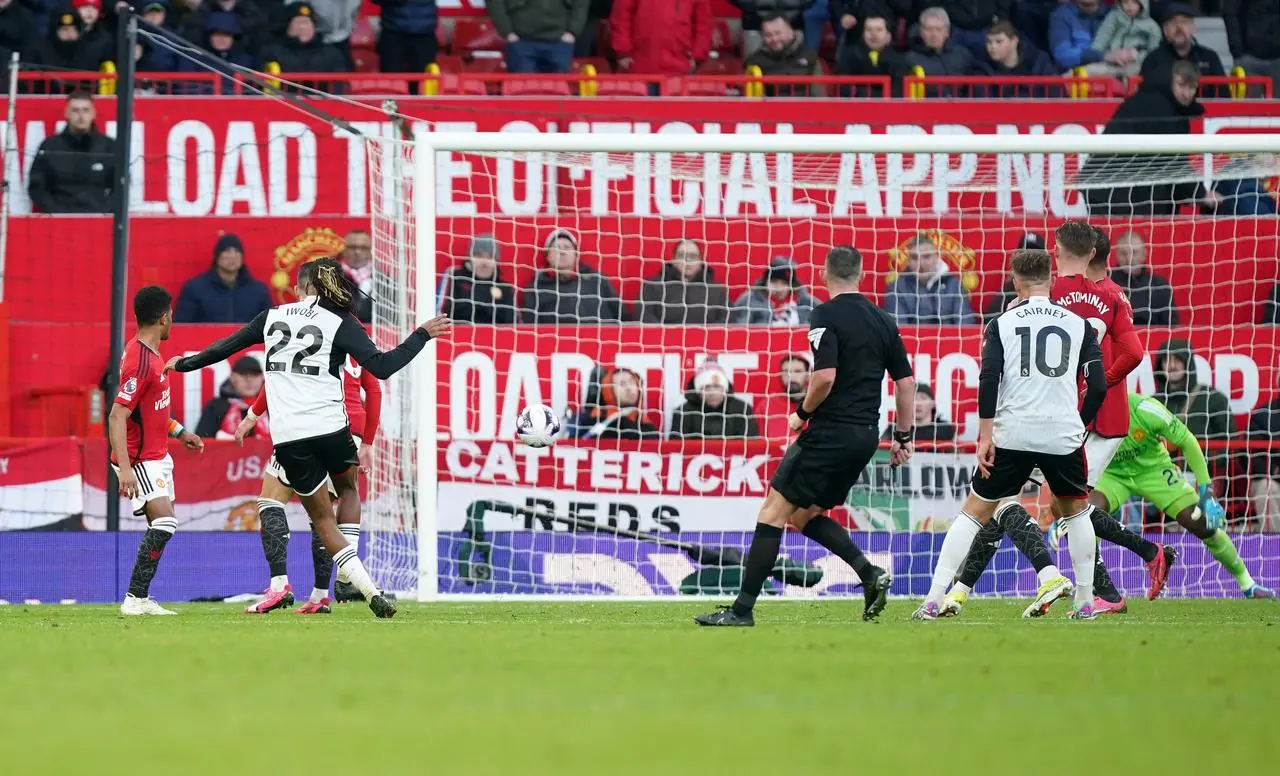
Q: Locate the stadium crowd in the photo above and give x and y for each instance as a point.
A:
(667, 38)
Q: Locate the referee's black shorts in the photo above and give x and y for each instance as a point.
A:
(1067, 475)
(309, 462)
(821, 467)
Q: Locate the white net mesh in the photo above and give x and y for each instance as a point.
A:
(633, 295)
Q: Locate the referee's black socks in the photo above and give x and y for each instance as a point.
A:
(834, 537)
(761, 558)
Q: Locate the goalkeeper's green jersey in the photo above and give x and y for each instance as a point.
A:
(1151, 424)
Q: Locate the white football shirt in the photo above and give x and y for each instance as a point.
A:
(1038, 351)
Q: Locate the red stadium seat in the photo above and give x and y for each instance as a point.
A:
(365, 59)
(450, 63)
(451, 83)
(723, 43)
(362, 34)
(603, 41)
(695, 88)
(608, 87)
(442, 37)
(364, 47)
(536, 87)
(486, 64)
(473, 35)
(722, 66)
(378, 86)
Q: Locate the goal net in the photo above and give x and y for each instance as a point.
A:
(654, 291)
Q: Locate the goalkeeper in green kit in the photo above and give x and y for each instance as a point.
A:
(1142, 466)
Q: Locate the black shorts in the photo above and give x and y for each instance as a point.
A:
(1067, 475)
(308, 462)
(821, 468)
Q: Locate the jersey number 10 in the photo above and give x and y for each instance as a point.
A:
(299, 365)
(1040, 358)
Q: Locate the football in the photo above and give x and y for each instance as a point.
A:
(537, 426)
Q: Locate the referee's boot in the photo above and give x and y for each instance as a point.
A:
(725, 616)
(876, 594)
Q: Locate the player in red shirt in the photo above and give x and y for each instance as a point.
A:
(138, 430)
(363, 412)
(1082, 251)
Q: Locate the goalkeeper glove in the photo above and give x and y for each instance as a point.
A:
(1214, 514)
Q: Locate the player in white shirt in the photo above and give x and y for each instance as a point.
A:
(308, 342)
(1033, 356)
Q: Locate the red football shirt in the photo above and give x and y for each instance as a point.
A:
(1105, 307)
(145, 391)
(362, 413)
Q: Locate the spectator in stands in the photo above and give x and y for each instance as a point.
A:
(566, 290)
(1253, 35)
(335, 19)
(777, 299)
(540, 33)
(1271, 308)
(1149, 294)
(357, 263)
(1204, 409)
(783, 53)
(252, 22)
(660, 37)
(1178, 24)
(928, 425)
(97, 39)
(970, 20)
(776, 406)
(1127, 35)
(1264, 468)
(63, 51)
(1072, 28)
(1156, 109)
(754, 12)
(222, 414)
(17, 29)
(1001, 301)
(74, 171)
(874, 55)
(150, 58)
(686, 292)
(223, 36)
(1032, 20)
(226, 293)
(407, 35)
(302, 50)
(1245, 185)
(585, 45)
(710, 410)
(935, 53)
(849, 16)
(615, 410)
(474, 292)
(1008, 56)
(927, 292)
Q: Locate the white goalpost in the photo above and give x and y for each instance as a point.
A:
(459, 511)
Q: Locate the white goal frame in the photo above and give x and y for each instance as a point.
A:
(427, 144)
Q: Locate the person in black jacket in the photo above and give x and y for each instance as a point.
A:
(74, 171)
(63, 51)
(407, 40)
(97, 34)
(1150, 295)
(17, 30)
(711, 411)
(1163, 182)
(874, 55)
(929, 426)
(970, 20)
(754, 12)
(849, 16)
(1253, 35)
(221, 415)
(226, 292)
(252, 22)
(1178, 24)
(222, 43)
(1008, 56)
(302, 50)
(475, 291)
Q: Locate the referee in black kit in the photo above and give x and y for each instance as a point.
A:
(854, 343)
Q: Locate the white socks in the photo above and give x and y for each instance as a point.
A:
(1082, 543)
(955, 548)
(1047, 573)
(351, 531)
(347, 561)
(318, 595)
(279, 583)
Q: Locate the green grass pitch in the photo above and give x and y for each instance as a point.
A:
(1173, 687)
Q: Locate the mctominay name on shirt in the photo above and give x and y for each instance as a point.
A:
(1081, 297)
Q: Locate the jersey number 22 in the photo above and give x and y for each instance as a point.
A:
(299, 365)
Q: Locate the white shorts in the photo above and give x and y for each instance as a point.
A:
(1098, 452)
(155, 480)
(274, 469)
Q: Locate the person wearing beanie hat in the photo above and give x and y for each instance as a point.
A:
(685, 292)
(710, 410)
(223, 413)
(226, 293)
(777, 299)
(474, 291)
(303, 50)
(64, 50)
(1179, 44)
(254, 29)
(97, 35)
(222, 34)
(566, 290)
